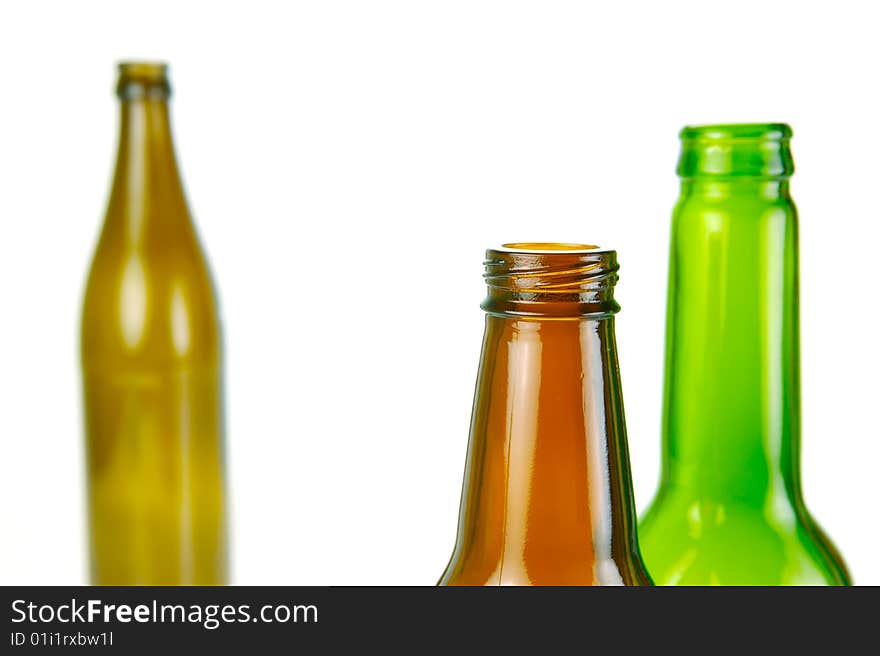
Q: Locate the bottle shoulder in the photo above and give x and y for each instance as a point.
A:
(700, 542)
(471, 570)
(149, 301)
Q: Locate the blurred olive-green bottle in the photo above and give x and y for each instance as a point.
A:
(151, 363)
(729, 509)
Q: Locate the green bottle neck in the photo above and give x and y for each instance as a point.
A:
(732, 396)
(747, 151)
(721, 190)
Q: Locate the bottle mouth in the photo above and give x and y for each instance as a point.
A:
(736, 150)
(550, 279)
(143, 79)
(545, 247)
(737, 131)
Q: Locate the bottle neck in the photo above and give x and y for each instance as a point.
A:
(147, 190)
(554, 280)
(547, 496)
(723, 190)
(732, 390)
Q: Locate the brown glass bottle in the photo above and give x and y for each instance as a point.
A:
(151, 367)
(547, 495)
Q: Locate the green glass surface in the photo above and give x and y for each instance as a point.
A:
(729, 508)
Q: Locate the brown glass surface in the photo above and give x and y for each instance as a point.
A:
(547, 497)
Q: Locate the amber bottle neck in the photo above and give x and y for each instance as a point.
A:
(547, 497)
(146, 184)
(145, 137)
(146, 150)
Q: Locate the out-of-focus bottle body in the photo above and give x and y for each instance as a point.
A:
(151, 361)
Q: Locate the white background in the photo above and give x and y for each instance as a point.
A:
(347, 164)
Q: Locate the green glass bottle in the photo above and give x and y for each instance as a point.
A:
(729, 508)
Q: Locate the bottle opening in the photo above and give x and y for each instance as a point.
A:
(550, 279)
(737, 131)
(736, 150)
(141, 79)
(539, 246)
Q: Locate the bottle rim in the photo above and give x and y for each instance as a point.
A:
(143, 69)
(143, 79)
(545, 247)
(757, 151)
(737, 132)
